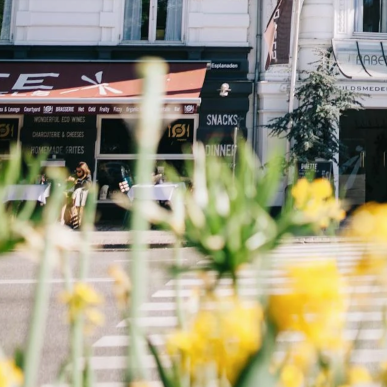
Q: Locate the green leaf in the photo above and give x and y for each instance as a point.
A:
(19, 358)
(257, 370)
(165, 378)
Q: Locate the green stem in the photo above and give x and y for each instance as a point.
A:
(42, 296)
(178, 260)
(148, 133)
(77, 335)
(76, 351)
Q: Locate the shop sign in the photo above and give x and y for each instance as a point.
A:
(177, 136)
(222, 119)
(219, 142)
(225, 66)
(8, 128)
(317, 169)
(71, 138)
(365, 88)
(361, 59)
(77, 109)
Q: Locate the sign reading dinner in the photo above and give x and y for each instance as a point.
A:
(66, 137)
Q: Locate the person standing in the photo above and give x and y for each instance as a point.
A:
(82, 183)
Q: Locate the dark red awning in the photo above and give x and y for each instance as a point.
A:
(93, 82)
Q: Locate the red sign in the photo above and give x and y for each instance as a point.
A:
(66, 81)
(277, 34)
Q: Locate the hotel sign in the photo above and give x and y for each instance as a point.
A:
(361, 59)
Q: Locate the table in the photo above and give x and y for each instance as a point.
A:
(160, 192)
(34, 192)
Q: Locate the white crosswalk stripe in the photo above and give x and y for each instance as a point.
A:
(159, 313)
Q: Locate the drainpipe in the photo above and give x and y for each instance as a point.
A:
(258, 39)
(294, 59)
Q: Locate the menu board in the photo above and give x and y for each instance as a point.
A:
(316, 169)
(71, 138)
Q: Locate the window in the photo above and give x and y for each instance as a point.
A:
(116, 152)
(5, 19)
(372, 16)
(8, 134)
(153, 20)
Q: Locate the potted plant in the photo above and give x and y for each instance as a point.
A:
(312, 127)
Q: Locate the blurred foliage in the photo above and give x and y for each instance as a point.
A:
(227, 213)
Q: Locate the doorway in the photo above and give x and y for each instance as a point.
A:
(363, 158)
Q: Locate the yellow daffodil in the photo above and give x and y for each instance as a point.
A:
(139, 383)
(291, 376)
(369, 223)
(314, 304)
(10, 375)
(324, 379)
(358, 375)
(316, 201)
(321, 189)
(303, 355)
(122, 286)
(225, 335)
(382, 375)
(301, 192)
(81, 301)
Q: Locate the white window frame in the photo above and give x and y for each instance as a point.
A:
(359, 22)
(152, 28)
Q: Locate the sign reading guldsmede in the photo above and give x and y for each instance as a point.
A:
(71, 138)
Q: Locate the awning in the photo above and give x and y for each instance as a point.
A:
(93, 82)
(361, 59)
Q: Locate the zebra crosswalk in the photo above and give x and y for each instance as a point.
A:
(365, 318)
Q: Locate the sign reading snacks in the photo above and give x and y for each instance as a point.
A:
(317, 169)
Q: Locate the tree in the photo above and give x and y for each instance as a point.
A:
(312, 128)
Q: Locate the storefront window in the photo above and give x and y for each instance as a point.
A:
(372, 16)
(153, 20)
(8, 134)
(117, 137)
(112, 172)
(5, 19)
(117, 154)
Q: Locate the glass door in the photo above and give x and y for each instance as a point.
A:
(352, 172)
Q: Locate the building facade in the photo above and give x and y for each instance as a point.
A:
(356, 31)
(68, 83)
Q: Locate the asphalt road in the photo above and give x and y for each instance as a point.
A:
(365, 315)
(17, 285)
